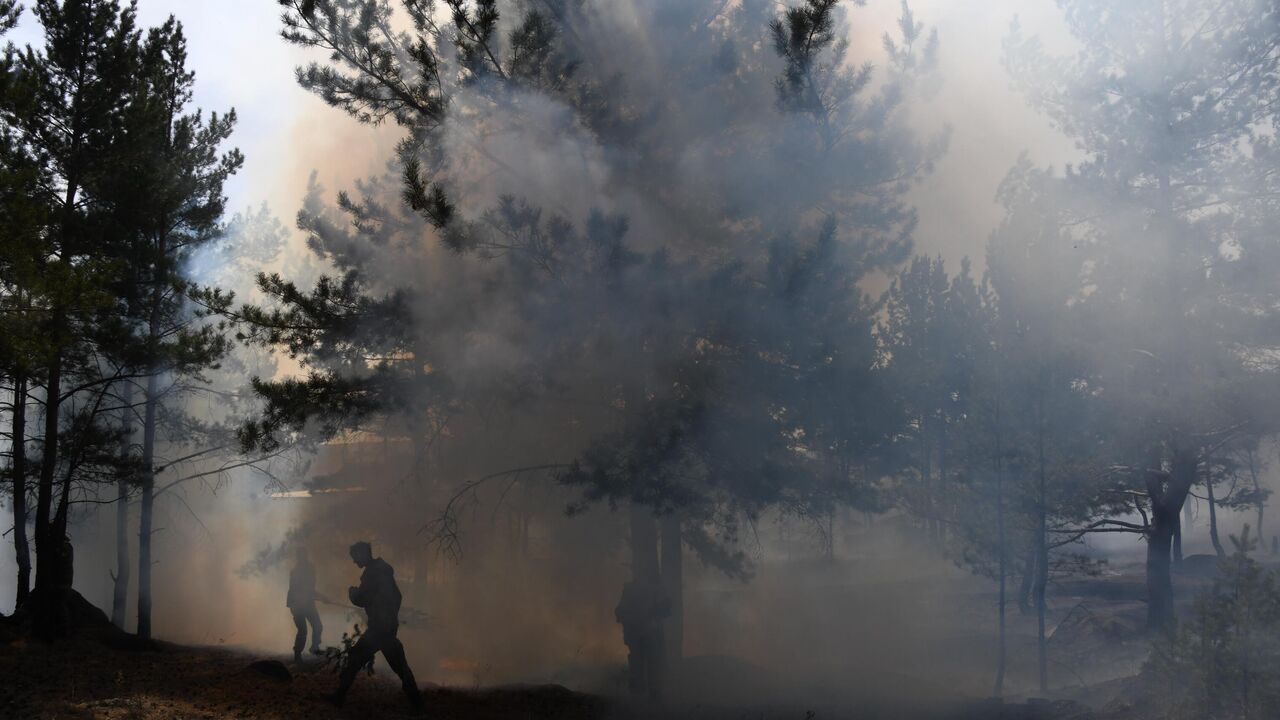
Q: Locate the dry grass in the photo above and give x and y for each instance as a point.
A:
(84, 679)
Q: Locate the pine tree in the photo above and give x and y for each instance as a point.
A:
(703, 324)
(20, 220)
(1220, 663)
(64, 106)
(171, 208)
(128, 186)
(1164, 99)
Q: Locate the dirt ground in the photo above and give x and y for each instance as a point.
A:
(104, 674)
(87, 678)
(83, 678)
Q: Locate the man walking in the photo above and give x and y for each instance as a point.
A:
(302, 603)
(379, 596)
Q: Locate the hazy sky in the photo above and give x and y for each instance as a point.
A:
(241, 62)
(991, 124)
(285, 133)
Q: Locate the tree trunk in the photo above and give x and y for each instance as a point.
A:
(645, 572)
(48, 548)
(120, 582)
(19, 462)
(1003, 570)
(1262, 539)
(644, 545)
(146, 511)
(1159, 581)
(926, 478)
(1177, 539)
(1213, 518)
(1257, 489)
(120, 588)
(1166, 493)
(59, 526)
(942, 491)
(1042, 567)
(673, 583)
(148, 479)
(1041, 588)
(1028, 580)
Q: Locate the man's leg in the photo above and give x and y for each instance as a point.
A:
(393, 651)
(317, 627)
(636, 669)
(359, 656)
(657, 666)
(299, 637)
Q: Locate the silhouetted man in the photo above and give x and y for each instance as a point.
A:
(380, 598)
(640, 611)
(302, 603)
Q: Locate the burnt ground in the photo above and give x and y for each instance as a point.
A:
(1097, 647)
(105, 675)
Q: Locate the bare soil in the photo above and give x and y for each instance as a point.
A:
(102, 676)
(102, 673)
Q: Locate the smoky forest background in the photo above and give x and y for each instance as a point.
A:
(925, 357)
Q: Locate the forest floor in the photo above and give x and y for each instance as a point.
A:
(107, 676)
(104, 674)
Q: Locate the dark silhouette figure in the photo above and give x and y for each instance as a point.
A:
(302, 603)
(379, 596)
(640, 611)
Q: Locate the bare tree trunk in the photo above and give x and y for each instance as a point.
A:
(1042, 562)
(1213, 517)
(1177, 539)
(147, 510)
(59, 526)
(1159, 581)
(1262, 540)
(930, 500)
(19, 462)
(1028, 580)
(942, 491)
(673, 583)
(648, 661)
(1003, 570)
(829, 547)
(55, 599)
(148, 479)
(48, 548)
(644, 545)
(1166, 493)
(1257, 489)
(120, 581)
(120, 587)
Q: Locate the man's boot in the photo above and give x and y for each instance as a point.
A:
(415, 700)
